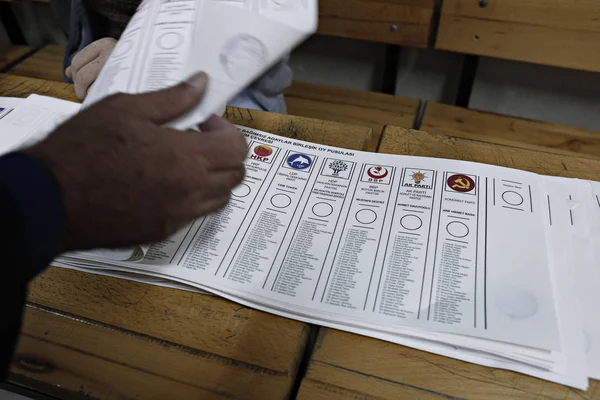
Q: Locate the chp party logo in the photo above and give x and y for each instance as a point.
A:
(299, 161)
(377, 172)
(461, 183)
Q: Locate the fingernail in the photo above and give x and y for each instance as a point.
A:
(198, 80)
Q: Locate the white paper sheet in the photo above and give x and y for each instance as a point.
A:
(585, 255)
(8, 105)
(233, 41)
(31, 120)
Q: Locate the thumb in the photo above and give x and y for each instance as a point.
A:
(68, 72)
(165, 105)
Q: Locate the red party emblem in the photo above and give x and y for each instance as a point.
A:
(461, 183)
(377, 172)
(263, 150)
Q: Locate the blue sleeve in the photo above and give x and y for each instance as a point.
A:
(32, 222)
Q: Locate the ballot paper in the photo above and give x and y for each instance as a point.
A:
(457, 258)
(8, 105)
(485, 264)
(234, 41)
(29, 121)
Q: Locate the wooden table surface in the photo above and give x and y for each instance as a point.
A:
(11, 53)
(86, 335)
(346, 366)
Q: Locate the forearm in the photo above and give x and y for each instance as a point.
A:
(32, 233)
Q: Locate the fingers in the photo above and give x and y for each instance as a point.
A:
(219, 129)
(165, 105)
(221, 183)
(86, 76)
(87, 55)
(222, 149)
(86, 65)
(215, 123)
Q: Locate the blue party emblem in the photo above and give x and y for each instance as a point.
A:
(299, 161)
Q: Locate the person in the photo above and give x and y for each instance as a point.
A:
(112, 176)
(93, 27)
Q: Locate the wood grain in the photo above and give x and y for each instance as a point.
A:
(494, 128)
(567, 14)
(351, 367)
(398, 140)
(302, 128)
(93, 336)
(202, 322)
(20, 86)
(47, 63)
(97, 361)
(373, 20)
(522, 42)
(349, 106)
(11, 53)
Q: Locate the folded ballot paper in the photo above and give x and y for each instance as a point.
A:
(234, 41)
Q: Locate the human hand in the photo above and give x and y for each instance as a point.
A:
(86, 65)
(127, 180)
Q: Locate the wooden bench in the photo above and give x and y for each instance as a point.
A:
(375, 110)
(10, 54)
(356, 107)
(494, 128)
(562, 33)
(46, 63)
(403, 22)
(345, 366)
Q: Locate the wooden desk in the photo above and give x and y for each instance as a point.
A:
(510, 131)
(46, 63)
(92, 336)
(347, 366)
(10, 53)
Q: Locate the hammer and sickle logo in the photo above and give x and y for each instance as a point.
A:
(460, 183)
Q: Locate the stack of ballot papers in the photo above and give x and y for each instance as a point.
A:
(481, 263)
(234, 41)
(485, 264)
